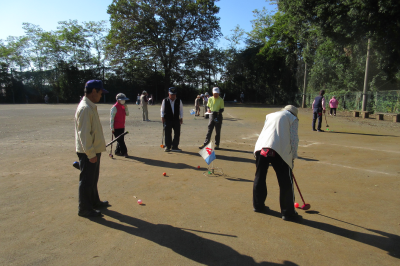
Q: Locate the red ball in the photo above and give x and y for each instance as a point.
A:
(198, 167)
(296, 205)
(164, 174)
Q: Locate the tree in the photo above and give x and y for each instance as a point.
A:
(349, 21)
(72, 36)
(95, 35)
(164, 31)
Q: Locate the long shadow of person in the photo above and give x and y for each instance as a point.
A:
(187, 244)
(387, 242)
(225, 149)
(224, 157)
(362, 134)
(163, 164)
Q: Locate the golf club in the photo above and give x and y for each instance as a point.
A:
(111, 155)
(306, 206)
(76, 165)
(326, 122)
(162, 138)
(123, 134)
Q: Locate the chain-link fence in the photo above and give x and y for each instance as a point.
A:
(382, 101)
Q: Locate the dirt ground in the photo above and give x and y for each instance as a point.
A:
(349, 175)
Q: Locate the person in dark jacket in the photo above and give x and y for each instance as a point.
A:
(172, 118)
(318, 107)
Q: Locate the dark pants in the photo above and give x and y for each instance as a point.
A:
(88, 179)
(333, 111)
(120, 147)
(211, 125)
(176, 126)
(315, 115)
(285, 180)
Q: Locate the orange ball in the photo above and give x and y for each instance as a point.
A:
(164, 174)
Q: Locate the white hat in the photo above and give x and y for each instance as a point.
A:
(206, 94)
(291, 109)
(215, 90)
(121, 96)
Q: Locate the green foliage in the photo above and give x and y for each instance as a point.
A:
(346, 22)
(167, 32)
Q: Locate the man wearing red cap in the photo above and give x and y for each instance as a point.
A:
(89, 143)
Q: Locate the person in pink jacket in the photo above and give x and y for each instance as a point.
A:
(333, 104)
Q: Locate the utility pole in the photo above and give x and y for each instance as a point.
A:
(303, 103)
(364, 102)
(12, 82)
(104, 95)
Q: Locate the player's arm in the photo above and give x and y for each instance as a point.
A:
(83, 128)
(113, 112)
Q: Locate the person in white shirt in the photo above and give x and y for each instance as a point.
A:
(277, 145)
(144, 102)
(89, 143)
(172, 118)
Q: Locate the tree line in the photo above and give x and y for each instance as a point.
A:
(151, 45)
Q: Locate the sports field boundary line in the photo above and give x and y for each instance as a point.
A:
(355, 168)
(346, 146)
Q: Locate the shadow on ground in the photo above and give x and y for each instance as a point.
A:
(307, 159)
(224, 149)
(182, 242)
(224, 157)
(163, 164)
(363, 134)
(386, 241)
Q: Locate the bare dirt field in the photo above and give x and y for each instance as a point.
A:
(350, 176)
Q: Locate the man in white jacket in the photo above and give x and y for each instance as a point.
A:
(89, 143)
(277, 145)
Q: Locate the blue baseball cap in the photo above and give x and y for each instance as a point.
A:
(95, 84)
(172, 90)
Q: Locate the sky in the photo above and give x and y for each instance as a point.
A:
(47, 14)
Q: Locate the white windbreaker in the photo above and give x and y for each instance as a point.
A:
(276, 135)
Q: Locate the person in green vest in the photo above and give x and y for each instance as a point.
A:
(215, 107)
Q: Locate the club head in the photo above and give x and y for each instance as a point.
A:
(76, 165)
(110, 155)
(306, 206)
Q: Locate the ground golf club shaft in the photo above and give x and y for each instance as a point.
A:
(112, 137)
(162, 138)
(305, 206)
(123, 134)
(76, 164)
(326, 122)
